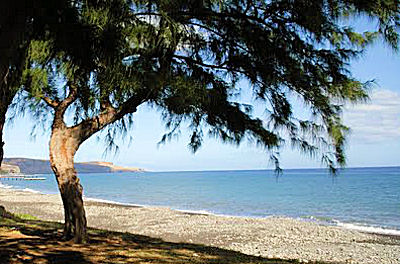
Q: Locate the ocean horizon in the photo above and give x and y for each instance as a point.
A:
(363, 198)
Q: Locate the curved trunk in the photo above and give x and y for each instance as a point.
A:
(63, 146)
(64, 143)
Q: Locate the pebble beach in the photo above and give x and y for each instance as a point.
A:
(272, 237)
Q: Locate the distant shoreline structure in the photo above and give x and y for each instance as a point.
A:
(39, 166)
(20, 165)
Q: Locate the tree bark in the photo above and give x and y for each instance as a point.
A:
(64, 143)
(63, 146)
(5, 101)
(2, 122)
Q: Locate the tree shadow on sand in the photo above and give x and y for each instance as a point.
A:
(24, 241)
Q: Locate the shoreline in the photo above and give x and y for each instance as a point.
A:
(389, 234)
(380, 231)
(359, 227)
(272, 237)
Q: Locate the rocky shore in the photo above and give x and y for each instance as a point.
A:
(273, 237)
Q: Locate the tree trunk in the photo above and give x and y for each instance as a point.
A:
(63, 146)
(64, 143)
(4, 103)
(2, 121)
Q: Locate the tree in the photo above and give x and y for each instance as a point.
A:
(12, 31)
(187, 58)
(21, 21)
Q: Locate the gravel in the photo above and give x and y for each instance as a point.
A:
(273, 237)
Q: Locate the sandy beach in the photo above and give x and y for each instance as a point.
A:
(273, 237)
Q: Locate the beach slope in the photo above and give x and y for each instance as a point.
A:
(274, 237)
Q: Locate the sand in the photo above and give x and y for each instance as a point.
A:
(273, 237)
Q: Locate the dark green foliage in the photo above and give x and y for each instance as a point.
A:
(190, 58)
(20, 22)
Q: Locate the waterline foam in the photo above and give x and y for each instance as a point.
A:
(369, 229)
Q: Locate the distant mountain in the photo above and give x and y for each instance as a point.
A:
(36, 166)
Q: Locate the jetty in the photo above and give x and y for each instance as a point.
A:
(21, 177)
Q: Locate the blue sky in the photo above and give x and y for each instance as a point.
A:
(374, 140)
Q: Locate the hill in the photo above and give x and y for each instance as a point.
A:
(36, 166)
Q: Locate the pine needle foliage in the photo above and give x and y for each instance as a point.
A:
(21, 21)
(191, 58)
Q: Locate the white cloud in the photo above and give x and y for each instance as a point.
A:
(376, 120)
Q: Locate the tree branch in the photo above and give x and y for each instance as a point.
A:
(221, 67)
(147, 14)
(110, 115)
(50, 102)
(206, 13)
(215, 32)
(73, 93)
(188, 59)
(62, 106)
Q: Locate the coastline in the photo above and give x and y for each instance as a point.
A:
(272, 237)
(325, 221)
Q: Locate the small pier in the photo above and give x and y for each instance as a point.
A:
(20, 177)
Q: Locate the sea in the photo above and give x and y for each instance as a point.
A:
(364, 199)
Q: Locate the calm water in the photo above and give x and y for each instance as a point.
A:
(361, 197)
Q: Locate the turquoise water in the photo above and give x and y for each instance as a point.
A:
(358, 197)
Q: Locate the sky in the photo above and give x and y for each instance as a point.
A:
(374, 138)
